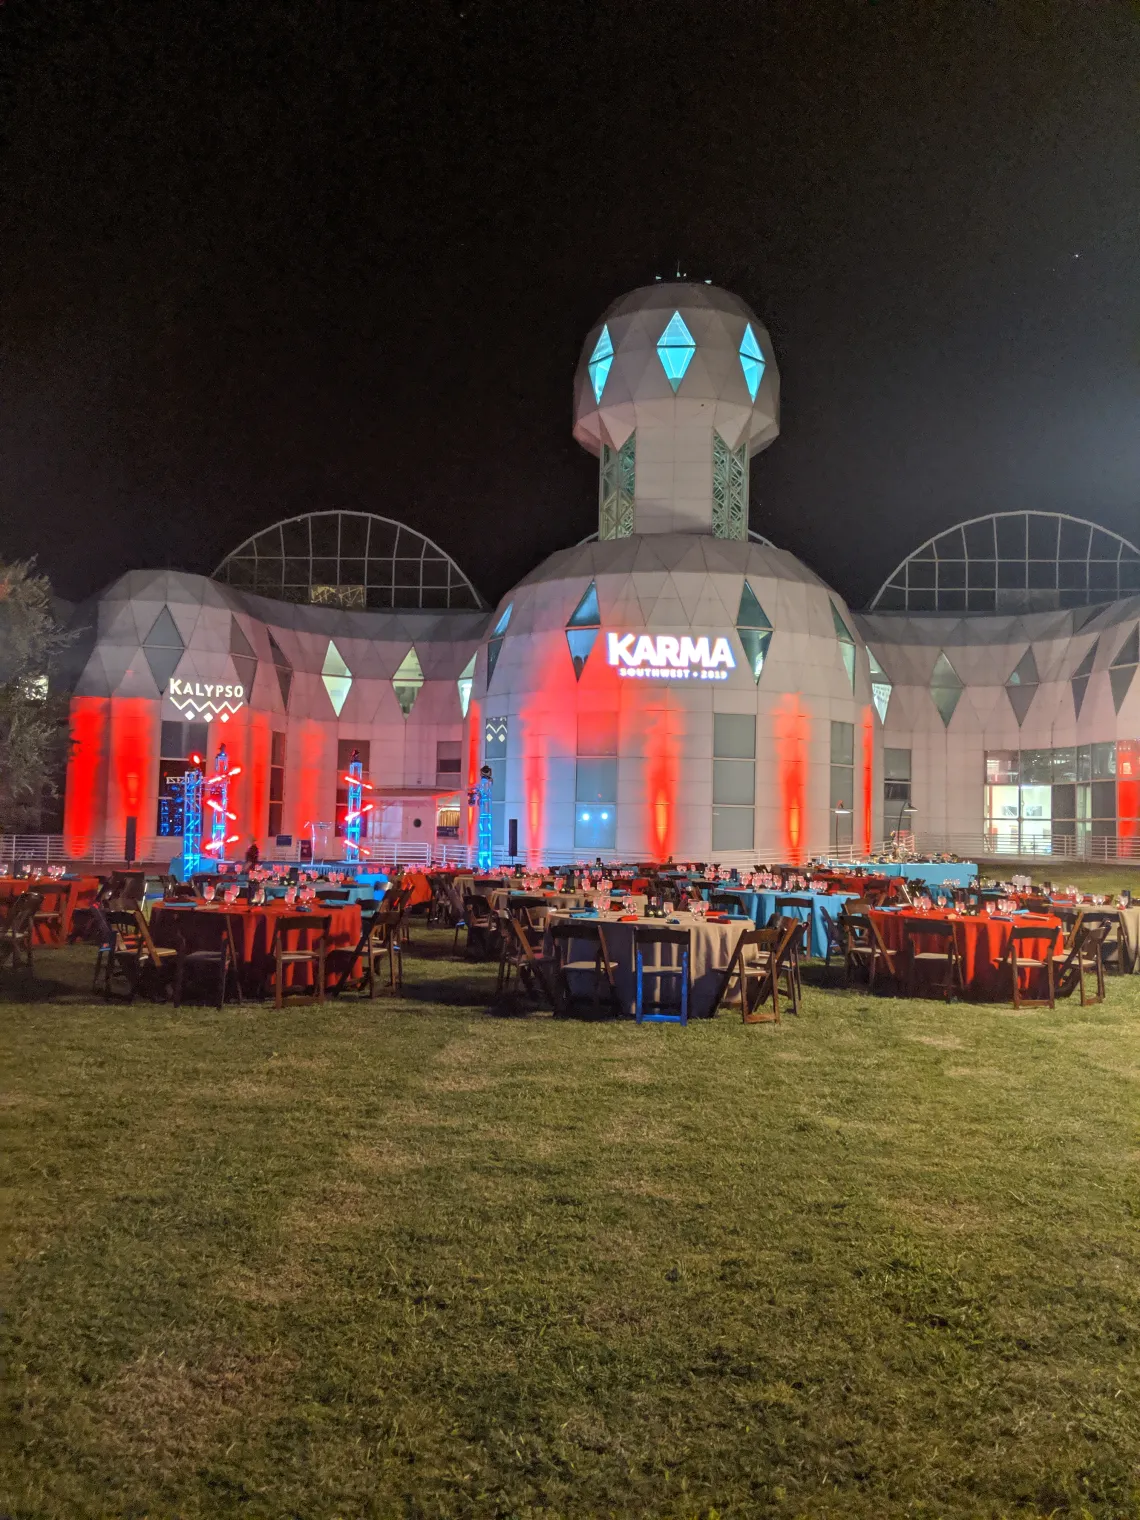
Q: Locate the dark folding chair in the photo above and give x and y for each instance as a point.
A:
(762, 962)
(18, 930)
(563, 934)
(1028, 934)
(212, 955)
(521, 956)
(379, 938)
(946, 957)
(479, 921)
(1081, 956)
(314, 957)
(52, 912)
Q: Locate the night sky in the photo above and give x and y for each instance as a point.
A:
(261, 259)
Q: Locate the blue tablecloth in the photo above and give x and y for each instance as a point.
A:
(759, 906)
(956, 873)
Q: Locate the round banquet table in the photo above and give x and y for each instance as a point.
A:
(710, 945)
(78, 892)
(252, 931)
(759, 906)
(982, 943)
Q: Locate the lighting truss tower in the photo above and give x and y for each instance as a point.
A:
(216, 796)
(356, 809)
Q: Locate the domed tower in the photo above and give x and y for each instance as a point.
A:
(677, 387)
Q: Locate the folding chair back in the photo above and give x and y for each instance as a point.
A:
(946, 957)
(564, 932)
(1019, 959)
(1082, 956)
(658, 1012)
(314, 956)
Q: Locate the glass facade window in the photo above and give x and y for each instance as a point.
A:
(616, 480)
(751, 360)
(448, 762)
(177, 742)
(729, 490)
(1052, 801)
(276, 784)
(896, 791)
(582, 629)
(596, 782)
(842, 783)
(496, 736)
(344, 753)
(734, 781)
(600, 361)
(675, 349)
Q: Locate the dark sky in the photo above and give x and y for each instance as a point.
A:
(258, 259)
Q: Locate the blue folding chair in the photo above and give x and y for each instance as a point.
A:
(659, 1012)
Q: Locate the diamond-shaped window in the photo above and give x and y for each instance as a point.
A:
(284, 671)
(600, 361)
(1123, 668)
(1079, 682)
(163, 648)
(337, 677)
(846, 644)
(495, 643)
(465, 683)
(408, 681)
(751, 360)
(675, 349)
(946, 687)
(754, 631)
(1022, 686)
(244, 656)
(881, 686)
(582, 629)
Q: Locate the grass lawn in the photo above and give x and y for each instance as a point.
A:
(410, 1259)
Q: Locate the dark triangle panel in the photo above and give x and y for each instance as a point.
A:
(1121, 678)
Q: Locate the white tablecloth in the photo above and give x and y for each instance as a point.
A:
(710, 946)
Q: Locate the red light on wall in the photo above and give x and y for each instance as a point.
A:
(793, 731)
(1128, 788)
(661, 781)
(85, 800)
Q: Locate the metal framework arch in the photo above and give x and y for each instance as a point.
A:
(753, 537)
(1024, 561)
(348, 559)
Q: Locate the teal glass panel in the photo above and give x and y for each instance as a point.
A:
(675, 349)
(587, 613)
(751, 361)
(494, 649)
(750, 613)
(600, 361)
(755, 642)
(580, 642)
(501, 626)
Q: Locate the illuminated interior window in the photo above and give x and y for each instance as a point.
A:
(945, 687)
(615, 489)
(600, 361)
(1080, 679)
(675, 349)
(751, 360)
(730, 490)
(881, 687)
(754, 630)
(1022, 686)
(337, 677)
(582, 629)
(408, 681)
(465, 683)
(846, 644)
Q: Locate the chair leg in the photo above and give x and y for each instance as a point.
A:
(278, 988)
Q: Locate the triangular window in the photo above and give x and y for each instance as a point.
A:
(408, 681)
(337, 678)
(1123, 668)
(465, 683)
(846, 644)
(881, 686)
(284, 671)
(751, 360)
(1022, 686)
(244, 656)
(945, 688)
(582, 629)
(600, 361)
(163, 648)
(754, 630)
(495, 644)
(675, 349)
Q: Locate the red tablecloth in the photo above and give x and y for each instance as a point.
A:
(252, 930)
(982, 943)
(79, 892)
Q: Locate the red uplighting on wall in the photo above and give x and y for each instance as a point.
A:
(868, 777)
(1128, 788)
(793, 730)
(661, 773)
(86, 776)
(134, 764)
(473, 731)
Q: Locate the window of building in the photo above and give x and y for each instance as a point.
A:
(276, 783)
(177, 742)
(448, 762)
(344, 752)
(1052, 801)
(734, 781)
(595, 782)
(897, 812)
(730, 490)
(617, 473)
(842, 783)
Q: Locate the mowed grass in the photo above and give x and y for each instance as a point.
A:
(413, 1259)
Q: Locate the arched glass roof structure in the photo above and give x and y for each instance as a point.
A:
(349, 559)
(755, 538)
(1013, 562)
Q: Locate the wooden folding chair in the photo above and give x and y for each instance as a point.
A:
(761, 960)
(563, 933)
(940, 929)
(379, 937)
(864, 947)
(18, 930)
(1081, 956)
(1025, 934)
(520, 956)
(213, 953)
(314, 957)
